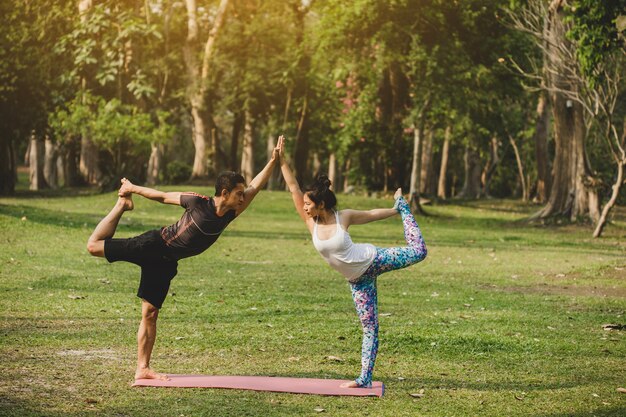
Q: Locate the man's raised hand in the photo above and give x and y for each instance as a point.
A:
(279, 150)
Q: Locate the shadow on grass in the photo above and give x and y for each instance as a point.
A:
(14, 407)
(606, 411)
(78, 220)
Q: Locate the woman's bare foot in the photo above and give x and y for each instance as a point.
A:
(147, 373)
(126, 203)
(351, 384)
(397, 194)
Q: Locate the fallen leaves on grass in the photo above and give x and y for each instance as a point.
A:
(520, 397)
(77, 297)
(610, 327)
(622, 390)
(418, 394)
(319, 410)
(334, 358)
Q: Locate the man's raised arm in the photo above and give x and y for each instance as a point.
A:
(129, 188)
(261, 179)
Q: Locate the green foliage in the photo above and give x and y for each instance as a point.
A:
(122, 131)
(177, 172)
(100, 46)
(594, 29)
(365, 69)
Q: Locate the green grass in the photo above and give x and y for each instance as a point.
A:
(501, 319)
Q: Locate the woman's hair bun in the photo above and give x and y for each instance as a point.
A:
(323, 181)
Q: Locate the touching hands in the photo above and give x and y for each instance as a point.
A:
(279, 150)
(126, 188)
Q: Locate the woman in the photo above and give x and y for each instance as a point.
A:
(359, 263)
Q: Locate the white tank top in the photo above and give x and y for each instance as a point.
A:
(349, 258)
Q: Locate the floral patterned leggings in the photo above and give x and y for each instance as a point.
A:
(364, 290)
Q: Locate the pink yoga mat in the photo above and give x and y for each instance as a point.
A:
(265, 383)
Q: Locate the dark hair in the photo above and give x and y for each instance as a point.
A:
(320, 191)
(227, 180)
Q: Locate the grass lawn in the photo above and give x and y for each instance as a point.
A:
(501, 319)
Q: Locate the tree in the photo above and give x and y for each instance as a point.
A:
(199, 67)
(28, 75)
(583, 65)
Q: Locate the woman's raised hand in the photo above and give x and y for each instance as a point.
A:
(279, 150)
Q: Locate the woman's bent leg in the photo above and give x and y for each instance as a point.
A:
(412, 232)
(366, 303)
(389, 259)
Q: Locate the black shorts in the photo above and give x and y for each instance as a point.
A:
(147, 250)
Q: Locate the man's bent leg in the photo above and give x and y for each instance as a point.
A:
(145, 342)
(107, 226)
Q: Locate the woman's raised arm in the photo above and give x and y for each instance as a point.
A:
(296, 194)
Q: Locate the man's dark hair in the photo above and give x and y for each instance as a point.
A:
(227, 180)
(320, 191)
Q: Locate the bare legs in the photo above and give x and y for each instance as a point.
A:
(145, 342)
(107, 226)
(147, 328)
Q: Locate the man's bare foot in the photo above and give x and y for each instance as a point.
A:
(126, 203)
(351, 384)
(147, 373)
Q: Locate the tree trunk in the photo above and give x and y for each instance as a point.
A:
(8, 165)
(443, 169)
(490, 167)
(520, 169)
(60, 167)
(414, 187)
(471, 184)
(332, 171)
(301, 147)
(346, 176)
(89, 161)
(247, 151)
(544, 178)
(272, 182)
(200, 167)
(198, 74)
(568, 196)
(71, 158)
(154, 164)
(619, 181)
(317, 164)
(50, 163)
(416, 162)
(216, 154)
(36, 163)
(427, 166)
(234, 140)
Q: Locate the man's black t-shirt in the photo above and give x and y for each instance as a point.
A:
(198, 228)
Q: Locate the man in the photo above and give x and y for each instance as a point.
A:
(157, 251)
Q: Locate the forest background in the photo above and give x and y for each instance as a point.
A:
(448, 99)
